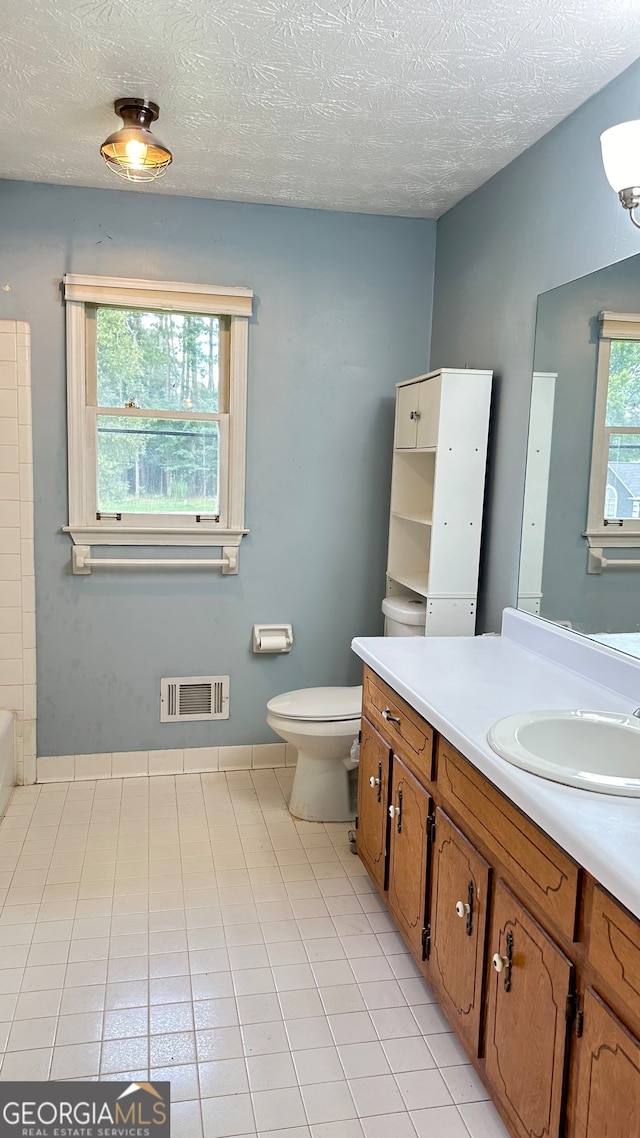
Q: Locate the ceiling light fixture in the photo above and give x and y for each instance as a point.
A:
(133, 152)
(621, 159)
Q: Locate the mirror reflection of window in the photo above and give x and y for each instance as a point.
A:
(623, 413)
(614, 496)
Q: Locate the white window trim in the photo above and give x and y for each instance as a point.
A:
(624, 532)
(166, 296)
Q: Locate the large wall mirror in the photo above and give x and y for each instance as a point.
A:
(586, 369)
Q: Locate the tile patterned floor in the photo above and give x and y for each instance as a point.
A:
(186, 928)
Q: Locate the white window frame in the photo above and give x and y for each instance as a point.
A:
(600, 532)
(84, 526)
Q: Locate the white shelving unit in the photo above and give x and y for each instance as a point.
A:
(534, 514)
(437, 495)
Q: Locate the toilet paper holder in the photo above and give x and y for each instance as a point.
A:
(272, 637)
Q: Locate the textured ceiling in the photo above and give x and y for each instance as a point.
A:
(382, 106)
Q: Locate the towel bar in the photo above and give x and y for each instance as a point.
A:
(82, 562)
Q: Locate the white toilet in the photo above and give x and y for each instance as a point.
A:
(322, 724)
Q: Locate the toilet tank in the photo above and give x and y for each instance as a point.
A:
(404, 616)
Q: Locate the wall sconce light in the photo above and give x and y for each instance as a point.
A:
(621, 160)
(133, 152)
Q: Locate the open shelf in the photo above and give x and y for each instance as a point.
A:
(415, 450)
(417, 582)
(409, 546)
(412, 484)
(412, 518)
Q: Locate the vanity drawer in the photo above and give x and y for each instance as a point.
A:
(614, 950)
(406, 732)
(539, 866)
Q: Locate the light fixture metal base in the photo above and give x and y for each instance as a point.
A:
(630, 198)
(140, 110)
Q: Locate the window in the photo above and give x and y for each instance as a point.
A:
(614, 490)
(157, 376)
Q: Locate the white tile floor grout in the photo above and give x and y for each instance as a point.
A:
(186, 928)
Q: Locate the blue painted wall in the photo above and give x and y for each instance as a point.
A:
(547, 218)
(343, 311)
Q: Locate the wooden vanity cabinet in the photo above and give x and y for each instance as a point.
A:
(537, 868)
(373, 802)
(409, 814)
(529, 984)
(607, 1099)
(513, 935)
(457, 927)
(606, 1094)
(405, 733)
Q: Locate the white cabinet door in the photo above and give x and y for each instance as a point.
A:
(407, 411)
(429, 412)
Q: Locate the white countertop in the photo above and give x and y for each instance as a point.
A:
(462, 685)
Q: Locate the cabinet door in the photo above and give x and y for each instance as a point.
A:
(458, 921)
(526, 1035)
(429, 412)
(407, 412)
(608, 1085)
(373, 801)
(408, 849)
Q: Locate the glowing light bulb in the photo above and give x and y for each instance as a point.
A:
(136, 153)
(133, 152)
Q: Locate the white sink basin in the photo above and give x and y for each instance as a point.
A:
(595, 750)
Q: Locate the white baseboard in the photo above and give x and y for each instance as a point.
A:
(192, 760)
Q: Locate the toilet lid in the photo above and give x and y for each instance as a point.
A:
(328, 704)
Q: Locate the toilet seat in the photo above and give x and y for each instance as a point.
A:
(318, 705)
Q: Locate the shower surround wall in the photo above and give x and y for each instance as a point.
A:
(17, 591)
(7, 764)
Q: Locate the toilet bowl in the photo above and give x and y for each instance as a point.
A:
(322, 724)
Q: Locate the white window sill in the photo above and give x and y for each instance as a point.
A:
(621, 537)
(100, 534)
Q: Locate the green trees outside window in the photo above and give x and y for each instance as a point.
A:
(157, 362)
(622, 497)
